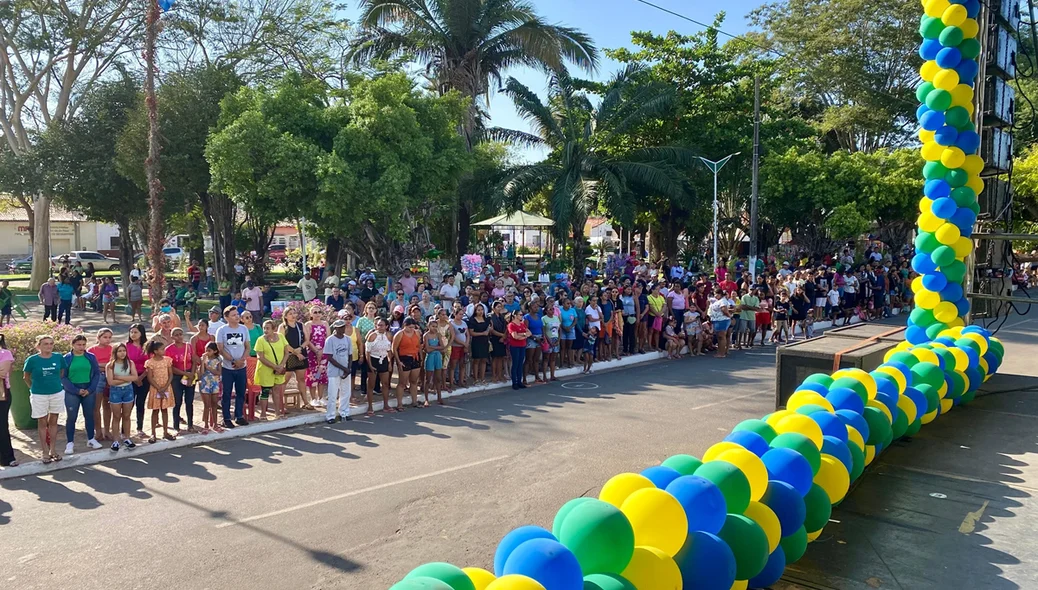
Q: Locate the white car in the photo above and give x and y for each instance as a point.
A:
(100, 261)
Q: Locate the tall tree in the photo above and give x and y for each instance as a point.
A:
(51, 53)
(466, 45)
(585, 169)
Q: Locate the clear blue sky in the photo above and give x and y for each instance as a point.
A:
(609, 23)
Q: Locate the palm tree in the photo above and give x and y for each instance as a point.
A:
(465, 45)
(592, 163)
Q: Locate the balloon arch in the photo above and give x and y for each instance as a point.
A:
(734, 518)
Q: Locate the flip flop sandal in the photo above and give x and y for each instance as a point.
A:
(152, 440)
(47, 460)
(55, 458)
(370, 414)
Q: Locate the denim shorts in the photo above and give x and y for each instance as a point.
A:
(721, 325)
(120, 394)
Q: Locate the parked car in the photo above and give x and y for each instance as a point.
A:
(100, 261)
(174, 253)
(277, 253)
(20, 265)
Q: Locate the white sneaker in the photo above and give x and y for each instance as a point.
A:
(93, 444)
(68, 449)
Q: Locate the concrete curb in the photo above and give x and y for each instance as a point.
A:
(95, 457)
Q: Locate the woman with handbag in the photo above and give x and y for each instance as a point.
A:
(657, 305)
(6, 362)
(298, 344)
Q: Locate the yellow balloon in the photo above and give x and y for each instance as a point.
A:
(917, 285)
(953, 157)
(976, 183)
(903, 345)
(802, 425)
(897, 376)
(946, 80)
(658, 519)
(948, 234)
(926, 355)
(928, 418)
(620, 487)
(804, 397)
(907, 406)
(652, 568)
(768, 520)
(935, 8)
(480, 577)
(833, 477)
(952, 333)
(974, 165)
(812, 536)
(861, 376)
(718, 449)
(931, 151)
(924, 204)
(945, 311)
(928, 70)
(980, 340)
(929, 222)
(983, 364)
(855, 437)
(774, 418)
(740, 585)
(961, 374)
(954, 15)
(927, 299)
(515, 582)
(874, 403)
(957, 322)
(870, 453)
(942, 391)
(963, 246)
(969, 28)
(962, 96)
(946, 405)
(925, 135)
(752, 467)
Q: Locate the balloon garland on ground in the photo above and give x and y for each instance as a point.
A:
(735, 518)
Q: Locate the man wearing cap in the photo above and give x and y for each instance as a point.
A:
(338, 351)
(784, 271)
(215, 321)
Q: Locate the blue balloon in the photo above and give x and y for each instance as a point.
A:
(916, 335)
(830, 424)
(547, 561)
(514, 539)
(791, 467)
(838, 448)
(931, 120)
(946, 135)
(967, 70)
(845, 398)
(993, 361)
(901, 368)
(945, 341)
(951, 292)
(977, 330)
(922, 263)
(937, 188)
(967, 141)
(751, 441)
(929, 49)
(934, 281)
(165, 5)
(708, 560)
(974, 375)
(889, 401)
(962, 306)
(661, 476)
(972, 355)
(947, 58)
(886, 384)
(918, 399)
(857, 421)
(787, 504)
(815, 387)
(943, 207)
(972, 8)
(772, 571)
(964, 218)
(703, 502)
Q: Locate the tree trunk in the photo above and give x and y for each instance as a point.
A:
(333, 259)
(194, 230)
(27, 205)
(464, 229)
(41, 248)
(156, 229)
(125, 251)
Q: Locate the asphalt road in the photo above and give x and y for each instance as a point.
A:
(358, 505)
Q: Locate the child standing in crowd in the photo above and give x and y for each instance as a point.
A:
(781, 315)
(590, 338)
(433, 361)
(121, 373)
(693, 331)
(160, 397)
(209, 385)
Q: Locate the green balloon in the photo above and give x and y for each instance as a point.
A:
(808, 409)
(957, 177)
(957, 117)
(422, 583)
(600, 536)
(963, 196)
(879, 427)
(974, 207)
(852, 383)
(819, 508)
(926, 242)
(931, 171)
(820, 378)
(930, 28)
(922, 317)
(970, 48)
(758, 426)
(748, 542)
(900, 425)
(914, 427)
(904, 357)
(956, 385)
(801, 444)
(683, 464)
(568, 507)
(933, 399)
(607, 582)
(857, 461)
(996, 347)
(951, 36)
(943, 255)
(732, 482)
(939, 99)
(451, 575)
(947, 357)
(934, 330)
(968, 396)
(923, 90)
(795, 545)
(928, 373)
(954, 271)
(967, 343)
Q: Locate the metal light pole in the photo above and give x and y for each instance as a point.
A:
(715, 167)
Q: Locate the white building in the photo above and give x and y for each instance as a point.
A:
(68, 231)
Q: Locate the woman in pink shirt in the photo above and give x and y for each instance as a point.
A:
(136, 347)
(102, 351)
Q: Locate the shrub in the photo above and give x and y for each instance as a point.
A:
(21, 338)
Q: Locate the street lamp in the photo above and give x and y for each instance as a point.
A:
(715, 167)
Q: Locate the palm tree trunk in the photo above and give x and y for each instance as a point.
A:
(156, 230)
(41, 247)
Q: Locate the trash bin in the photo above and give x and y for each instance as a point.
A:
(21, 410)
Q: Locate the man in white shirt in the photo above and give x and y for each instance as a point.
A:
(448, 292)
(784, 271)
(308, 286)
(338, 351)
(215, 320)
